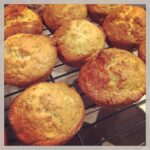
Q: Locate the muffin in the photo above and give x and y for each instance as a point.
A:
(78, 41)
(46, 114)
(37, 8)
(98, 12)
(20, 19)
(126, 28)
(28, 59)
(55, 15)
(142, 51)
(114, 78)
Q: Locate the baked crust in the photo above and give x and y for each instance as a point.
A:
(126, 28)
(20, 19)
(142, 51)
(115, 77)
(98, 12)
(55, 15)
(37, 8)
(28, 59)
(46, 114)
(78, 41)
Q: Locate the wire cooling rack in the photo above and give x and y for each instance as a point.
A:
(102, 126)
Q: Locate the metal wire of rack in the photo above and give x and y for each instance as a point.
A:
(102, 126)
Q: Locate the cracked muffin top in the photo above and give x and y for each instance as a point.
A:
(126, 28)
(55, 15)
(20, 19)
(28, 58)
(98, 12)
(114, 77)
(46, 114)
(78, 40)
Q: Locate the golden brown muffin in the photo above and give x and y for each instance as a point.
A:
(47, 114)
(98, 12)
(28, 59)
(115, 77)
(55, 15)
(126, 28)
(78, 40)
(37, 8)
(142, 51)
(20, 19)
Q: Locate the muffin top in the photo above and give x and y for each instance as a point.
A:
(27, 58)
(18, 14)
(126, 25)
(20, 19)
(56, 15)
(142, 51)
(38, 8)
(114, 77)
(104, 9)
(78, 40)
(47, 114)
